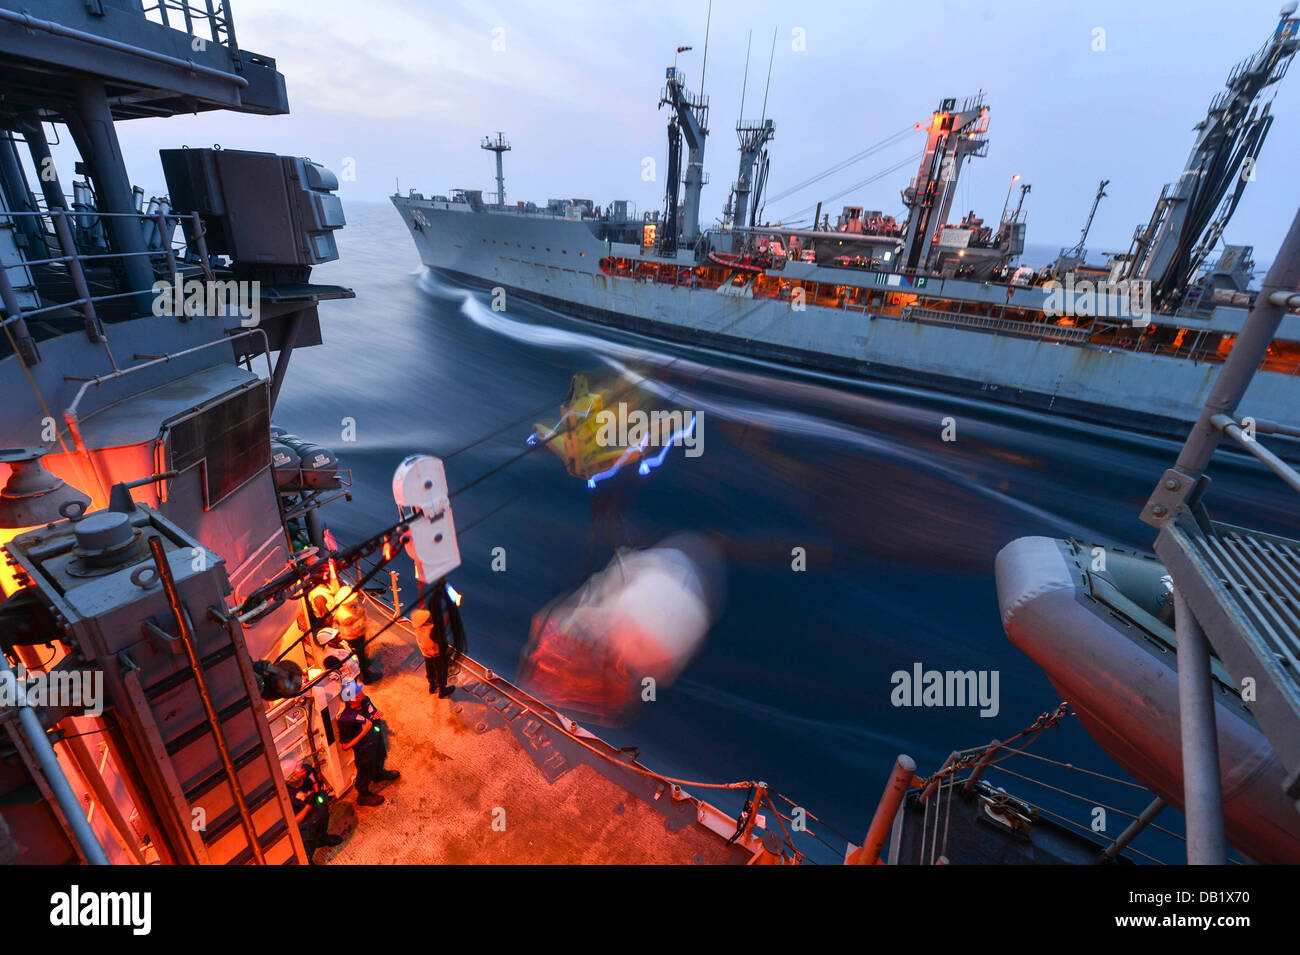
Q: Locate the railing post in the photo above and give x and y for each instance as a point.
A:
(1202, 787)
(94, 331)
(1143, 820)
(23, 342)
(901, 777)
(198, 237)
(165, 240)
(985, 761)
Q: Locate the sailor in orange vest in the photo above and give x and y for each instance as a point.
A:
(344, 610)
(432, 641)
(440, 634)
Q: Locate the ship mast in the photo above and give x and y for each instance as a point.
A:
(498, 146)
(690, 121)
(753, 137)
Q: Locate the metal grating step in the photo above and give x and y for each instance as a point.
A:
(1244, 588)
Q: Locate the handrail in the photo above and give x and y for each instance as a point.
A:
(70, 413)
(1180, 486)
(57, 29)
(992, 323)
(1233, 429)
(59, 235)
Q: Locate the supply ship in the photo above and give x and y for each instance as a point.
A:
(180, 633)
(933, 297)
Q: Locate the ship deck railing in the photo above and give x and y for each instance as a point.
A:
(76, 278)
(946, 818)
(209, 21)
(934, 316)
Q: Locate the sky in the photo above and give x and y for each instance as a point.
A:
(401, 92)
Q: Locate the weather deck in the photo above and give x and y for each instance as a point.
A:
(490, 775)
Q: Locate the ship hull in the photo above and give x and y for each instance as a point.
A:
(836, 364)
(556, 263)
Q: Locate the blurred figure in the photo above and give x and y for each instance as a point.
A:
(335, 654)
(344, 610)
(627, 633)
(431, 637)
(354, 626)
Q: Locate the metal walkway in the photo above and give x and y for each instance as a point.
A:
(1236, 591)
(1244, 589)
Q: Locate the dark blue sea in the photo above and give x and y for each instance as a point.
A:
(900, 528)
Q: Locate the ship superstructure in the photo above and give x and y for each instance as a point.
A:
(137, 378)
(915, 300)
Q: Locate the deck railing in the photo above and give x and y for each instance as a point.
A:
(75, 274)
(206, 21)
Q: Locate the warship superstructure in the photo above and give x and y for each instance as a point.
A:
(919, 299)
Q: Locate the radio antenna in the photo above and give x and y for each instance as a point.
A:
(744, 85)
(769, 75)
(705, 65)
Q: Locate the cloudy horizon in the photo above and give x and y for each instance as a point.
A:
(405, 93)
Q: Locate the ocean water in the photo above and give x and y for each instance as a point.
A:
(900, 527)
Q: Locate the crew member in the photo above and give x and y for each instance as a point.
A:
(352, 623)
(344, 610)
(311, 808)
(335, 654)
(432, 640)
(440, 635)
(361, 730)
